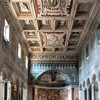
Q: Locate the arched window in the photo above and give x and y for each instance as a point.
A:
(26, 62)
(87, 51)
(19, 50)
(6, 31)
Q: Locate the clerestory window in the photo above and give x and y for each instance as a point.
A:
(6, 31)
(26, 62)
(19, 50)
(87, 51)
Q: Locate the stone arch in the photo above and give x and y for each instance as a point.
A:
(25, 85)
(80, 86)
(10, 74)
(84, 84)
(95, 83)
(88, 82)
(1, 74)
(94, 78)
(98, 27)
(99, 76)
(22, 84)
(17, 82)
(4, 73)
(13, 78)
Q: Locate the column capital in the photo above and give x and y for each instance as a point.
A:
(83, 88)
(80, 89)
(1, 77)
(88, 86)
(99, 81)
(93, 84)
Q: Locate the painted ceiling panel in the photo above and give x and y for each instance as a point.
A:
(54, 24)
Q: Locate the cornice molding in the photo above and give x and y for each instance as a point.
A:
(53, 57)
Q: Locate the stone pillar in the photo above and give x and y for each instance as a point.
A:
(21, 93)
(12, 92)
(17, 92)
(93, 91)
(1, 88)
(80, 94)
(83, 94)
(88, 93)
(70, 93)
(24, 94)
(5, 90)
(8, 90)
(33, 93)
(99, 90)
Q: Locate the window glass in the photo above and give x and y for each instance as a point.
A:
(87, 51)
(6, 31)
(26, 62)
(19, 50)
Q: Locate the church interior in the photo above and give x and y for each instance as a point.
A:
(49, 49)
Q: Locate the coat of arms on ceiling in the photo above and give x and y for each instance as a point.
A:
(53, 7)
(50, 38)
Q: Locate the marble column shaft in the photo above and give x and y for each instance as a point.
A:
(99, 89)
(1, 88)
(93, 91)
(88, 93)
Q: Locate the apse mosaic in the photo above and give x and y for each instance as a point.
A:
(50, 38)
(53, 7)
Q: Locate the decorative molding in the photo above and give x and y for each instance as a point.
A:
(66, 87)
(53, 57)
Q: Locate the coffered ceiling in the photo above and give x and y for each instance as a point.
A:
(54, 26)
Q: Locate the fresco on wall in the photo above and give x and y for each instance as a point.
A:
(51, 94)
(56, 94)
(53, 7)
